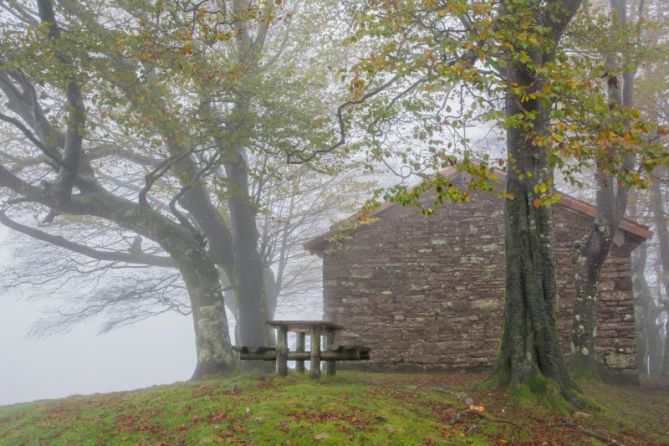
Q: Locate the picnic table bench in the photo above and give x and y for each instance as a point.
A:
(316, 329)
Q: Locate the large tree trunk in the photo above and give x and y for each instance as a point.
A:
(649, 340)
(530, 349)
(248, 264)
(200, 276)
(146, 96)
(252, 298)
(272, 290)
(662, 232)
(214, 352)
(243, 264)
(591, 253)
(209, 220)
(235, 250)
(589, 257)
(663, 243)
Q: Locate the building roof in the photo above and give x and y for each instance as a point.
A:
(566, 201)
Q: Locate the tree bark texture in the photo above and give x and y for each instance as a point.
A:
(649, 340)
(244, 266)
(214, 352)
(530, 346)
(200, 276)
(231, 248)
(662, 233)
(248, 264)
(611, 198)
(663, 242)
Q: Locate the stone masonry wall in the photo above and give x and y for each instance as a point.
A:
(428, 292)
(616, 339)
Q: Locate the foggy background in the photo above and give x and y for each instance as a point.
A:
(159, 350)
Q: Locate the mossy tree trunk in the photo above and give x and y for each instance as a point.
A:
(184, 245)
(254, 308)
(663, 242)
(199, 273)
(661, 228)
(589, 257)
(233, 247)
(530, 349)
(201, 278)
(214, 354)
(248, 265)
(611, 198)
(649, 341)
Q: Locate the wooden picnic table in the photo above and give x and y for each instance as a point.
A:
(315, 329)
(280, 354)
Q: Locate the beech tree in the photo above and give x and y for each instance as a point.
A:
(184, 93)
(100, 270)
(506, 64)
(649, 336)
(628, 45)
(69, 184)
(651, 97)
(660, 217)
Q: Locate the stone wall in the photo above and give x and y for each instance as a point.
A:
(616, 339)
(428, 292)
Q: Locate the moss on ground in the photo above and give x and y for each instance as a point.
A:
(350, 409)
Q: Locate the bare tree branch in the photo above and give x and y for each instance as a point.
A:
(74, 105)
(32, 138)
(127, 257)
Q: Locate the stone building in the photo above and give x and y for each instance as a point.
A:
(427, 292)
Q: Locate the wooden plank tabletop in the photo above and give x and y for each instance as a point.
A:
(304, 326)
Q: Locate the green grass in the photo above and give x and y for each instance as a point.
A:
(351, 409)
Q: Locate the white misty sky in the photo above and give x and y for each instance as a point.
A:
(157, 351)
(160, 350)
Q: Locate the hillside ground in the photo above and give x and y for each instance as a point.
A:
(353, 408)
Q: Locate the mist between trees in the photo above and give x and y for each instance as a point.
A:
(174, 156)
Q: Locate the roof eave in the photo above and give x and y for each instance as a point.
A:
(318, 244)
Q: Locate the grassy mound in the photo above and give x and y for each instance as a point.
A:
(353, 408)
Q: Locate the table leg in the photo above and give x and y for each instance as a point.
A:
(299, 364)
(315, 352)
(282, 351)
(330, 366)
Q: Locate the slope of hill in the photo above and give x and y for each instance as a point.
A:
(353, 408)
